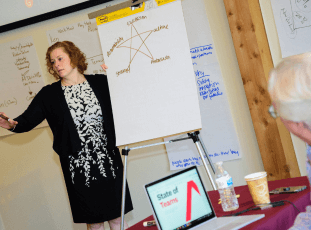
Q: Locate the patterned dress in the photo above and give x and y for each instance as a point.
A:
(93, 176)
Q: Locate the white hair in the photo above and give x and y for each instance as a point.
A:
(290, 88)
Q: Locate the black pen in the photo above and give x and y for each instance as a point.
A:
(4, 117)
(149, 223)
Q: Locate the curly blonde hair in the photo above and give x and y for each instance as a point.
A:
(77, 57)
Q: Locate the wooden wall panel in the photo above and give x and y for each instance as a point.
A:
(267, 63)
(255, 62)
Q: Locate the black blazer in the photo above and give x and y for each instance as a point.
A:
(50, 104)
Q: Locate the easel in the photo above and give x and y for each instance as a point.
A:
(195, 136)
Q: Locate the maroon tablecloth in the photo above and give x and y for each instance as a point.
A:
(281, 217)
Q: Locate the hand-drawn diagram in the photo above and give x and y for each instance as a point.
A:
(293, 23)
(21, 76)
(295, 16)
(22, 64)
(137, 44)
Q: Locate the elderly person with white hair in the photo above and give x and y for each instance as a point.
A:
(290, 92)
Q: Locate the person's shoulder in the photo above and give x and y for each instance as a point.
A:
(52, 86)
(48, 89)
(96, 78)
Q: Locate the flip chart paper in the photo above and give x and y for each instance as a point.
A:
(218, 132)
(150, 75)
(21, 77)
(293, 23)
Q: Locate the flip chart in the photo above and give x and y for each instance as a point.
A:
(21, 77)
(150, 75)
(293, 23)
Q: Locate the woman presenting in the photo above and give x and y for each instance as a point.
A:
(78, 110)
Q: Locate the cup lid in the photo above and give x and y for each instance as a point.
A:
(255, 176)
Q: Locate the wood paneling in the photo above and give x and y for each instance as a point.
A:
(255, 62)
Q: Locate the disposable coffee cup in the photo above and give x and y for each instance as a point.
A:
(258, 187)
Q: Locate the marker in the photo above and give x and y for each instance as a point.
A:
(149, 223)
(4, 117)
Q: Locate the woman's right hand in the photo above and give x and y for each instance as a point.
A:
(10, 124)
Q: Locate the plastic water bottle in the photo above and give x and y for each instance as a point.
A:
(225, 188)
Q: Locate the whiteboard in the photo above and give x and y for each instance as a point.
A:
(150, 75)
(218, 132)
(21, 77)
(293, 23)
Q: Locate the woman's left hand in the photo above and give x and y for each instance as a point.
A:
(104, 67)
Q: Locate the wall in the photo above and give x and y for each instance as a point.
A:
(32, 190)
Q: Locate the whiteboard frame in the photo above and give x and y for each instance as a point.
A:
(50, 15)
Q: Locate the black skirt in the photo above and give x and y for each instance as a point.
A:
(102, 200)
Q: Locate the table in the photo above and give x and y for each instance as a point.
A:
(281, 217)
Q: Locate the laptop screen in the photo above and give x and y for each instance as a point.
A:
(179, 201)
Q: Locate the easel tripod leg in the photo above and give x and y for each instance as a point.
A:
(205, 166)
(125, 153)
(206, 153)
(196, 139)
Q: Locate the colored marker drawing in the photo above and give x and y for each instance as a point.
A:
(295, 16)
(138, 44)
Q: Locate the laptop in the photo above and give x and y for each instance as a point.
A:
(180, 201)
